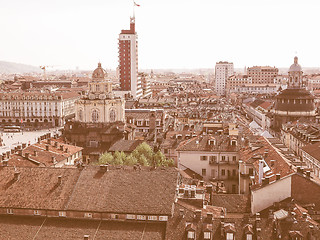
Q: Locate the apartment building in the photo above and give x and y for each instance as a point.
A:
(223, 71)
(262, 74)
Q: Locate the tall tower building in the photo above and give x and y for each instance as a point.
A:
(222, 72)
(128, 61)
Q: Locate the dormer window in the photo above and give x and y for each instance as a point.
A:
(249, 236)
(230, 236)
(233, 143)
(191, 234)
(211, 142)
(207, 235)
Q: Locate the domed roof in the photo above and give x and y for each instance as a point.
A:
(99, 73)
(295, 67)
(295, 100)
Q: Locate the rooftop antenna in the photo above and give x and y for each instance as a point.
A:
(134, 5)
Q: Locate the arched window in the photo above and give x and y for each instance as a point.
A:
(80, 114)
(112, 115)
(95, 116)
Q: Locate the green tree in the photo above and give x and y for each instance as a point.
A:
(105, 158)
(119, 158)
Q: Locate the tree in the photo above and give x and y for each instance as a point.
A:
(105, 158)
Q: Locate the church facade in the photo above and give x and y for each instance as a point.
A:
(99, 118)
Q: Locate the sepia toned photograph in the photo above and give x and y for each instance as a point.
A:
(159, 120)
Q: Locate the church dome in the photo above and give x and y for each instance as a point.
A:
(295, 100)
(295, 67)
(99, 73)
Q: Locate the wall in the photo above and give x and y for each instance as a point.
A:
(264, 197)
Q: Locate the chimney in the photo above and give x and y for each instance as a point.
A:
(49, 141)
(181, 213)
(209, 217)
(198, 214)
(104, 167)
(8, 154)
(47, 147)
(26, 155)
(278, 176)
(24, 145)
(304, 215)
(272, 162)
(308, 174)
(61, 147)
(56, 144)
(16, 175)
(20, 152)
(260, 171)
(66, 150)
(59, 180)
(201, 183)
(86, 237)
(35, 153)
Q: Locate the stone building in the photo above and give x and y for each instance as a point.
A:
(99, 120)
(37, 109)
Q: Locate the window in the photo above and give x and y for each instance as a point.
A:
(152, 218)
(204, 172)
(141, 217)
(131, 216)
(112, 115)
(95, 116)
(234, 172)
(88, 215)
(207, 235)
(36, 212)
(114, 216)
(212, 159)
(163, 218)
(234, 158)
(223, 158)
(249, 237)
(80, 115)
(9, 211)
(229, 236)
(203, 158)
(191, 234)
(251, 171)
(62, 214)
(223, 172)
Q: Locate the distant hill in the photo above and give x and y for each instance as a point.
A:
(11, 68)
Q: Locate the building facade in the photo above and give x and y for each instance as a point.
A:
(99, 105)
(223, 71)
(262, 74)
(215, 158)
(99, 120)
(36, 109)
(128, 61)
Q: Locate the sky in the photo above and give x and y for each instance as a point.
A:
(171, 33)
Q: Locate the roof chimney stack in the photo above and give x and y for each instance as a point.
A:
(16, 175)
(86, 237)
(59, 180)
(47, 147)
(26, 155)
(198, 214)
(278, 176)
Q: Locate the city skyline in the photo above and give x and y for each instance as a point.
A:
(180, 34)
